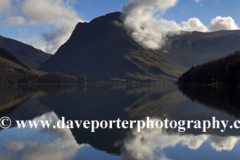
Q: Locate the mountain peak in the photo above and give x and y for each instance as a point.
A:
(101, 48)
(107, 18)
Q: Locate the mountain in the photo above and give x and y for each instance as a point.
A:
(13, 71)
(194, 48)
(224, 70)
(11, 68)
(29, 55)
(103, 48)
(7, 55)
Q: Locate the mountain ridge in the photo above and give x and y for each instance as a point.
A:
(11, 57)
(13, 71)
(194, 48)
(29, 55)
(103, 48)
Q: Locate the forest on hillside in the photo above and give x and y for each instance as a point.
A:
(223, 70)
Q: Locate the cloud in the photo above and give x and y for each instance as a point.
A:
(57, 17)
(194, 24)
(57, 13)
(197, 1)
(16, 146)
(59, 144)
(142, 7)
(140, 146)
(226, 143)
(223, 23)
(15, 20)
(4, 5)
(143, 19)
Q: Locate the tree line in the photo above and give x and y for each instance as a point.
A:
(223, 70)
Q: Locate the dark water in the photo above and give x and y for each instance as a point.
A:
(110, 102)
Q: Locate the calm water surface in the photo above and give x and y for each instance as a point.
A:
(110, 102)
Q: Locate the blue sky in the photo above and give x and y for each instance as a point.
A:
(205, 10)
(46, 24)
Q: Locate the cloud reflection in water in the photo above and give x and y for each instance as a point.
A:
(150, 143)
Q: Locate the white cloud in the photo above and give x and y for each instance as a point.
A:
(57, 13)
(194, 24)
(223, 143)
(58, 17)
(141, 20)
(4, 5)
(142, 7)
(197, 1)
(46, 10)
(145, 24)
(60, 144)
(15, 20)
(140, 146)
(222, 23)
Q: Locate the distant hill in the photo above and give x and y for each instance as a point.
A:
(7, 55)
(103, 48)
(194, 48)
(11, 68)
(223, 70)
(29, 55)
(13, 71)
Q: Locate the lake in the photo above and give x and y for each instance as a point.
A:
(110, 102)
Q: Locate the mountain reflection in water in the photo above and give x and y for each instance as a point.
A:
(110, 102)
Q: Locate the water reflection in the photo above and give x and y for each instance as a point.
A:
(110, 102)
(220, 98)
(13, 96)
(38, 144)
(150, 144)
